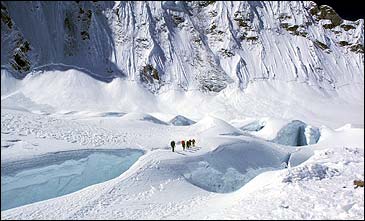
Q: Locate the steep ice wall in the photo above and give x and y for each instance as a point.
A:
(203, 45)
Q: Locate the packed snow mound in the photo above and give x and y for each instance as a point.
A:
(144, 117)
(310, 172)
(297, 133)
(181, 121)
(212, 126)
(230, 166)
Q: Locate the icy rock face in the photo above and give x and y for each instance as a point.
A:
(204, 45)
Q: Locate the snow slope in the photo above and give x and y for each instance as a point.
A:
(72, 90)
(231, 59)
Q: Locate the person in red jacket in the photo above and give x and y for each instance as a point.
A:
(183, 144)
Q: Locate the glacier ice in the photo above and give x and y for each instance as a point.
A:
(297, 133)
(60, 173)
(214, 172)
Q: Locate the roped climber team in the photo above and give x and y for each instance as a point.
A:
(188, 144)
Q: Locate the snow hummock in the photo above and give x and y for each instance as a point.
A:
(211, 125)
(313, 171)
(181, 121)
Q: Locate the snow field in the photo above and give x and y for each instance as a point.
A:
(231, 173)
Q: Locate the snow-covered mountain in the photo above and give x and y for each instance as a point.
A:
(93, 93)
(203, 45)
(255, 59)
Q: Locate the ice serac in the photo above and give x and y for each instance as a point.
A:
(297, 133)
(204, 45)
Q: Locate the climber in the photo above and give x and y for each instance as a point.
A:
(193, 142)
(173, 146)
(183, 144)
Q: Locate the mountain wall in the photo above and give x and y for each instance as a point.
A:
(202, 45)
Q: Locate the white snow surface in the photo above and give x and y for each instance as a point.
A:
(242, 93)
(228, 174)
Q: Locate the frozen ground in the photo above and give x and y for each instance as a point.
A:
(235, 171)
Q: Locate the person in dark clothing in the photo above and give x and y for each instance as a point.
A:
(183, 144)
(193, 141)
(173, 146)
(188, 144)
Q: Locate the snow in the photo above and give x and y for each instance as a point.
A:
(224, 175)
(144, 117)
(279, 125)
(227, 164)
(211, 125)
(181, 121)
(254, 126)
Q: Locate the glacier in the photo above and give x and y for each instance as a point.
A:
(272, 93)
